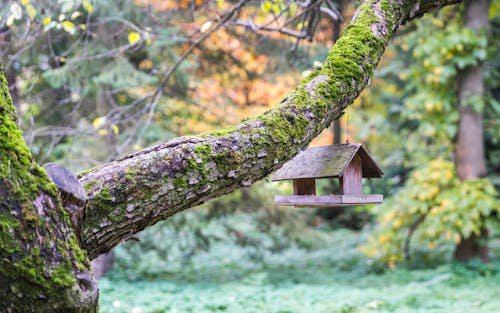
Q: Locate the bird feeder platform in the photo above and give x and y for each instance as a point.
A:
(349, 163)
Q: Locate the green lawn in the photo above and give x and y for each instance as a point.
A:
(332, 279)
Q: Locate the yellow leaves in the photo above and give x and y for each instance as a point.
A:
(88, 6)
(206, 26)
(397, 223)
(437, 22)
(438, 70)
(435, 175)
(382, 239)
(417, 175)
(133, 37)
(31, 11)
(100, 123)
(75, 15)
(46, 21)
(68, 27)
(266, 6)
(429, 106)
(434, 106)
(220, 4)
(445, 203)
(431, 245)
(115, 129)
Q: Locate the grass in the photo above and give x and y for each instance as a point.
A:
(335, 278)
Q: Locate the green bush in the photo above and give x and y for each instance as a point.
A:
(434, 208)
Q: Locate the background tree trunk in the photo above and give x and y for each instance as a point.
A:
(469, 152)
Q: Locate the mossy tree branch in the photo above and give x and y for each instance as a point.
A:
(143, 188)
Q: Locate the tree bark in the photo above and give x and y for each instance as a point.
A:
(469, 150)
(42, 265)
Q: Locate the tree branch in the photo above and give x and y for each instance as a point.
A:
(143, 188)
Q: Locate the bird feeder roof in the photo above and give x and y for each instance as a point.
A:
(327, 162)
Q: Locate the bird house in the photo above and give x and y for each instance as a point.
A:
(349, 163)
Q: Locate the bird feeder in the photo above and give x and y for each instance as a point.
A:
(349, 163)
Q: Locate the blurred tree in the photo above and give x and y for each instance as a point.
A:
(43, 266)
(469, 149)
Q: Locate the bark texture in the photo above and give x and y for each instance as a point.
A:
(141, 189)
(42, 267)
(469, 151)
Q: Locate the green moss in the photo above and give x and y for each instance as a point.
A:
(203, 150)
(85, 172)
(27, 241)
(7, 226)
(103, 195)
(62, 276)
(130, 175)
(220, 132)
(103, 202)
(180, 182)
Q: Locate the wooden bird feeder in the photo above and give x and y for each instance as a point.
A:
(350, 163)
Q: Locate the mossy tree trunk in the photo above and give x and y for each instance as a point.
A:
(43, 268)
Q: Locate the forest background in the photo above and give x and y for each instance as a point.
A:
(88, 82)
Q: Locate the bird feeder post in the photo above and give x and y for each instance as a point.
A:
(351, 181)
(304, 186)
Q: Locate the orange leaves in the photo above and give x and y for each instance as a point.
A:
(163, 5)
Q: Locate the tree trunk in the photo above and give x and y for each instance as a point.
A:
(469, 151)
(42, 265)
